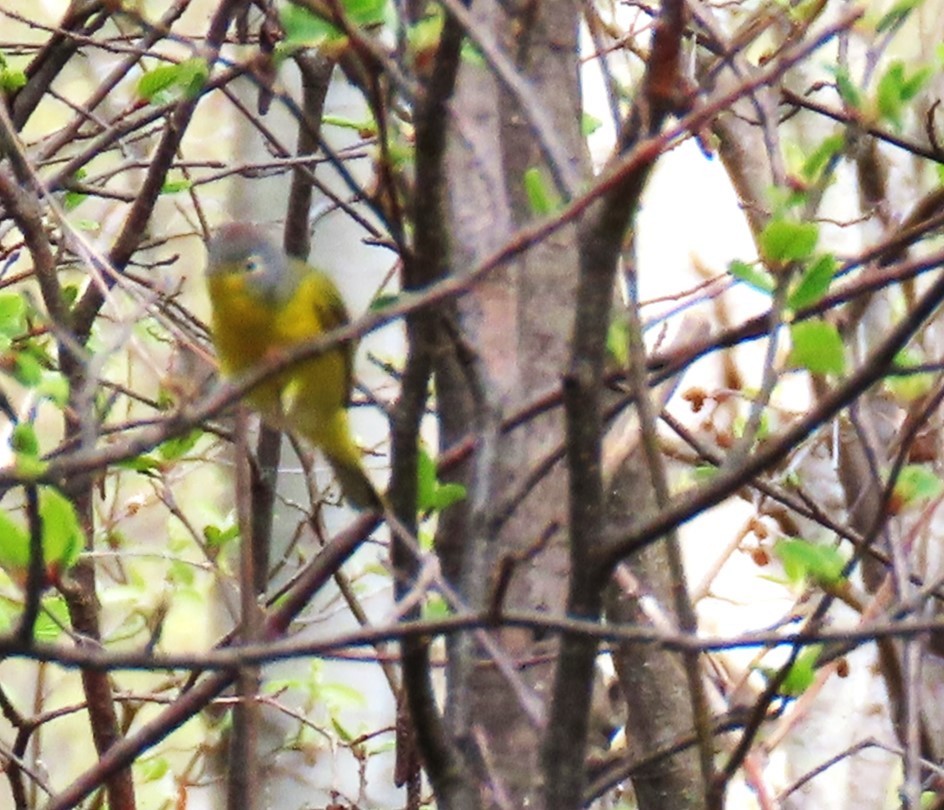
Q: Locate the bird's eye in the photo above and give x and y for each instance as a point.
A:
(253, 264)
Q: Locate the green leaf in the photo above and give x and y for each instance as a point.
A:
(365, 127)
(10, 80)
(70, 294)
(27, 371)
(471, 55)
(802, 672)
(917, 482)
(848, 92)
(447, 494)
(813, 284)
(589, 124)
(343, 734)
(703, 473)
(180, 574)
(54, 386)
(8, 615)
(24, 440)
(817, 347)
(617, 342)
(63, 538)
(888, 93)
(383, 301)
(426, 481)
(174, 448)
(896, 88)
(896, 15)
(217, 537)
(72, 199)
(804, 12)
(277, 686)
(425, 33)
(389, 746)
(804, 562)
(150, 770)
(157, 80)
(14, 548)
(341, 695)
(12, 314)
(784, 240)
(29, 467)
(784, 199)
(753, 276)
(426, 538)
(542, 197)
(51, 620)
(431, 495)
(192, 76)
(144, 464)
(820, 157)
(366, 13)
(906, 388)
(185, 79)
(763, 427)
(303, 29)
(176, 186)
(400, 154)
(915, 83)
(435, 607)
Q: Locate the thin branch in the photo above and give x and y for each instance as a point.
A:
(128, 748)
(561, 165)
(873, 369)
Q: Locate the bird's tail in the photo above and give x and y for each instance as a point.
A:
(358, 490)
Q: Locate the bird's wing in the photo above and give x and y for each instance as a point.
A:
(332, 314)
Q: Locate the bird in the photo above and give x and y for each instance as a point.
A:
(264, 303)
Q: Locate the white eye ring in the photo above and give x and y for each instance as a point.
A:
(252, 264)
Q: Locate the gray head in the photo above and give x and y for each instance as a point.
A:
(243, 248)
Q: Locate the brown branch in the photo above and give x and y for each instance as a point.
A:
(89, 460)
(601, 237)
(36, 572)
(428, 263)
(135, 224)
(725, 484)
(70, 132)
(561, 165)
(122, 127)
(276, 648)
(127, 749)
(83, 17)
(80, 594)
(852, 120)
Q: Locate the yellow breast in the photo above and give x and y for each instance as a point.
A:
(249, 331)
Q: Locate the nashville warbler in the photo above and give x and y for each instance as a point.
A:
(264, 303)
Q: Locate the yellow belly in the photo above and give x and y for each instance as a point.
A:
(305, 398)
